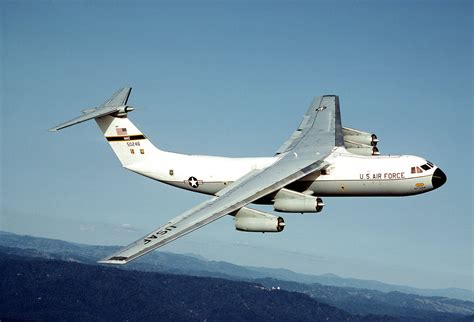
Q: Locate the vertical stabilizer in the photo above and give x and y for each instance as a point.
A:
(128, 143)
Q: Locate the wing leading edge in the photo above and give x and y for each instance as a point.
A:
(302, 157)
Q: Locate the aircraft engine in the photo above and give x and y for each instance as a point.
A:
(358, 136)
(370, 139)
(286, 200)
(368, 151)
(300, 205)
(251, 220)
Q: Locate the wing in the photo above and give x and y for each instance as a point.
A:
(112, 105)
(332, 119)
(305, 156)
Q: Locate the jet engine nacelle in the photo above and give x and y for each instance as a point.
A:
(370, 139)
(251, 220)
(308, 204)
(368, 151)
(286, 200)
(358, 136)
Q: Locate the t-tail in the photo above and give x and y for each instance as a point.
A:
(129, 144)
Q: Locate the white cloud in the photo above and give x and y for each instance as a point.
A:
(87, 227)
(127, 227)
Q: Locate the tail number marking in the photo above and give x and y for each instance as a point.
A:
(133, 143)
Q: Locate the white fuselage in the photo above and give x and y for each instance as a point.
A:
(347, 174)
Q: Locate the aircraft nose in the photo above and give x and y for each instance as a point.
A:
(438, 179)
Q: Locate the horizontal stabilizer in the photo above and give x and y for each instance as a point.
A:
(115, 104)
(87, 116)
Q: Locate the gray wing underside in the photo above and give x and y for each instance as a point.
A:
(110, 106)
(303, 156)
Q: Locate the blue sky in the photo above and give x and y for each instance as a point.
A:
(234, 78)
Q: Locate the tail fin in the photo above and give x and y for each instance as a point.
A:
(120, 98)
(128, 143)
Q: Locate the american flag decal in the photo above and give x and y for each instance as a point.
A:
(121, 131)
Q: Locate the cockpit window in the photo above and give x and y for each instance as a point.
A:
(425, 167)
(416, 170)
(429, 163)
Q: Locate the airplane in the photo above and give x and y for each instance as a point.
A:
(321, 158)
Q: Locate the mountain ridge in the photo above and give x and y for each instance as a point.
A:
(54, 290)
(355, 301)
(166, 261)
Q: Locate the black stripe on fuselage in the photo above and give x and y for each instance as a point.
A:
(126, 138)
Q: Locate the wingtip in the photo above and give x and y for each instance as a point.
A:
(114, 262)
(117, 260)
